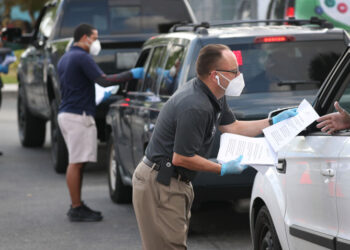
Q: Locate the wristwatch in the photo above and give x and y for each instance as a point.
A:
(270, 121)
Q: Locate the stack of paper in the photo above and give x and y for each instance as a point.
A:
(263, 151)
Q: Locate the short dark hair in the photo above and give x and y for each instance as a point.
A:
(81, 30)
(208, 58)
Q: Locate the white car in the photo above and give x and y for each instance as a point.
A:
(304, 202)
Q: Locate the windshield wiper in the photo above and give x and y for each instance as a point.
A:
(294, 82)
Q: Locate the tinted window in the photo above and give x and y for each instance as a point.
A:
(344, 100)
(170, 72)
(136, 84)
(152, 74)
(278, 67)
(121, 16)
(47, 23)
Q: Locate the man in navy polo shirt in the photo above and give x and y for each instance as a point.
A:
(78, 73)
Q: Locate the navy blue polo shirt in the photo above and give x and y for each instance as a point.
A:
(78, 71)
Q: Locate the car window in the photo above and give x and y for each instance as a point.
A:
(47, 23)
(344, 99)
(284, 67)
(120, 16)
(152, 76)
(169, 74)
(136, 84)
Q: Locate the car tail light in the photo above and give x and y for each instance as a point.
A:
(127, 99)
(124, 104)
(238, 54)
(290, 12)
(274, 39)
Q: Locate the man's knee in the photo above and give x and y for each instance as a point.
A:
(76, 165)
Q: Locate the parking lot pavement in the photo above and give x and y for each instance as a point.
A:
(34, 200)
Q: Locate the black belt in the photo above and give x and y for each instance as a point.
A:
(156, 167)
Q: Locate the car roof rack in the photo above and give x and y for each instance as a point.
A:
(201, 28)
(291, 20)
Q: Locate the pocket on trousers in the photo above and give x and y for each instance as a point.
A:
(138, 176)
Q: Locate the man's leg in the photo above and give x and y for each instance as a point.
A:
(162, 212)
(74, 182)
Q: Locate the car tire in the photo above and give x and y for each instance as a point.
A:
(31, 129)
(59, 153)
(265, 236)
(118, 192)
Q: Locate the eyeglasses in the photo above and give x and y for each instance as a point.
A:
(235, 71)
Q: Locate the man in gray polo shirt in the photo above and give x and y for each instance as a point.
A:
(185, 128)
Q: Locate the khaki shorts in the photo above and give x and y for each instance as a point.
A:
(80, 134)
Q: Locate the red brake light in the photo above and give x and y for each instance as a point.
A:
(127, 99)
(290, 12)
(238, 54)
(274, 39)
(124, 104)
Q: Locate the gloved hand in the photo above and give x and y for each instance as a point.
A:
(284, 115)
(233, 167)
(106, 95)
(137, 73)
(10, 58)
(4, 69)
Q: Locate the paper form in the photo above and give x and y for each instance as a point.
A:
(255, 151)
(279, 134)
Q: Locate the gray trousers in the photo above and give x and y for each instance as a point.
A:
(162, 212)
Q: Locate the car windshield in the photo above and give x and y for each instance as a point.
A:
(278, 67)
(121, 17)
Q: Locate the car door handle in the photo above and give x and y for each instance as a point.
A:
(328, 172)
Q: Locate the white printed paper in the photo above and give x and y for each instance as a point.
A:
(255, 151)
(280, 134)
(100, 92)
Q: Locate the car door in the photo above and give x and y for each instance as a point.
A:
(37, 62)
(342, 185)
(145, 101)
(316, 181)
(122, 129)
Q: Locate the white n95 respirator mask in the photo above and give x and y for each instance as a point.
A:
(235, 86)
(95, 48)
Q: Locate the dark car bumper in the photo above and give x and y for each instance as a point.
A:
(212, 187)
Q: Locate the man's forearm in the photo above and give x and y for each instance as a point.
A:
(196, 163)
(110, 80)
(246, 128)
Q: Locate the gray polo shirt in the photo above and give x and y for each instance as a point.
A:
(187, 122)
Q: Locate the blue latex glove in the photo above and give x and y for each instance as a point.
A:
(106, 95)
(137, 73)
(4, 69)
(233, 167)
(284, 115)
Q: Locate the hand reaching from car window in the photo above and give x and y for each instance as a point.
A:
(335, 121)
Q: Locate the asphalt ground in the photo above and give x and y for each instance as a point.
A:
(34, 201)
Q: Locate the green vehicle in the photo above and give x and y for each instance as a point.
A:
(334, 11)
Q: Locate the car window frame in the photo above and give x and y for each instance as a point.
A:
(333, 89)
(160, 79)
(148, 65)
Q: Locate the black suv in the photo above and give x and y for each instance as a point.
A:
(281, 64)
(123, 27)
